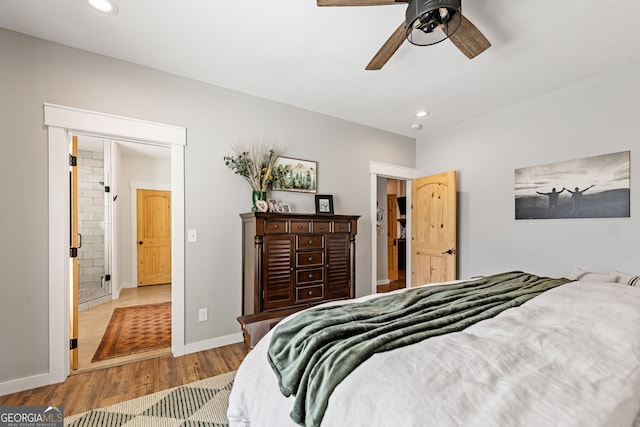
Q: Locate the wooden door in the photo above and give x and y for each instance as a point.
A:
(392, 236)
(154, 237)
(433, 229)
(74, 242)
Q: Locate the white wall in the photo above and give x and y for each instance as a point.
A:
(149, 173)
(593, 117)
(382, 264)
(34, 71)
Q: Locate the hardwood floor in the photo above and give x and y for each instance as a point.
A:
(395, 284)
(98, 388)
(95, 385)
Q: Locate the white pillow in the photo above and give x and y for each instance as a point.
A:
(626, 278)
(587, 276)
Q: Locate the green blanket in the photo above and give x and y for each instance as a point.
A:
(313, 352)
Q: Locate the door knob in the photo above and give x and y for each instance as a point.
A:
(140, 242)
(450, 252)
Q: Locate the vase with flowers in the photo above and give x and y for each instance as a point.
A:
(255, 164)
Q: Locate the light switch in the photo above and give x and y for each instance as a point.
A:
(192, 236)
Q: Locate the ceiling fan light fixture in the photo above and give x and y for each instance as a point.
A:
(432, 21)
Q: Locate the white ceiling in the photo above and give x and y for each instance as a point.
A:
(297, 53)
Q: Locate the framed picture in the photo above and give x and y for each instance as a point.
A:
(295, 175)
(273, 206)
(588, 187)
(284, 208)
(324, 204)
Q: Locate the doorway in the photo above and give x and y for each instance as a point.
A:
(60, 121)
(405, 175)
(107, 190)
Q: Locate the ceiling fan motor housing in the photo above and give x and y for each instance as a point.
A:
(432, 21)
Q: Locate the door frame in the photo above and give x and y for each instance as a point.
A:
(60, 122)
(384, 170)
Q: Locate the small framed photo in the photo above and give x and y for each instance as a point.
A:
(324, 204)
(273, 206)
(284, 207)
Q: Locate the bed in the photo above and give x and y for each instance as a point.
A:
(568, 356)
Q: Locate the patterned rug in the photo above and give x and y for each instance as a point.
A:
(203, 403)
(136, 329)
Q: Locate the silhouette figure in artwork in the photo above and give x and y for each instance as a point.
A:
(576, 196)
(553, 197)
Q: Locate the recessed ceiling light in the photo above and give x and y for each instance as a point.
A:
(422, 113)
(416, 126)
(104, 6)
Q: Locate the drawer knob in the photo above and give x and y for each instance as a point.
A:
(310, 293)
(299, 227)
(275, 226)
(310, 277)
(341, 227)
(322, 227)
(310, 259)
(310, 242)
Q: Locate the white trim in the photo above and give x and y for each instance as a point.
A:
(134, 186)
(102, 125)
(213, 343)
(385, 170)
(61, 122)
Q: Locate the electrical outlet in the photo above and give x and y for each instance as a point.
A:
(203, 315)
(192, 236)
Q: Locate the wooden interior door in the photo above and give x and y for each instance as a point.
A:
(153, 210)
(433, 229)
(392, 236)
(74, 243)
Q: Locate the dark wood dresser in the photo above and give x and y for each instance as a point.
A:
(293, 261)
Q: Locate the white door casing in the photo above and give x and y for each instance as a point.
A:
(384, 170)
(61, 122)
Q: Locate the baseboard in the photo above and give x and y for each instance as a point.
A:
(22, 384)
(213, 343)
(383, 282)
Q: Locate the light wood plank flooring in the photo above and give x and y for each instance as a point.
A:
(93, 323)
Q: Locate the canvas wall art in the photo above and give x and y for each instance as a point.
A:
(589, 187)
(295, 175)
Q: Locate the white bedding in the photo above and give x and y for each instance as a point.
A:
(569, 357)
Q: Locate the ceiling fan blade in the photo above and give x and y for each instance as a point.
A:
(388, 49)
(359, 2)
(469, 40)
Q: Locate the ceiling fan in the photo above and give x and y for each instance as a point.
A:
(427, 22)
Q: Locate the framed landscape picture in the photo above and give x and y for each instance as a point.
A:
(589, 187)
(295, 175)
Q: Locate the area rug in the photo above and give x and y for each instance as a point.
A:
(202, 403)
(136, 329)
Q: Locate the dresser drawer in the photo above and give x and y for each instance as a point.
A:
(273, 226)
(309, 242)
(309, 259)
(341, 226)
(321, 227)
(300, 226)
(309, 293)
(313, 275)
